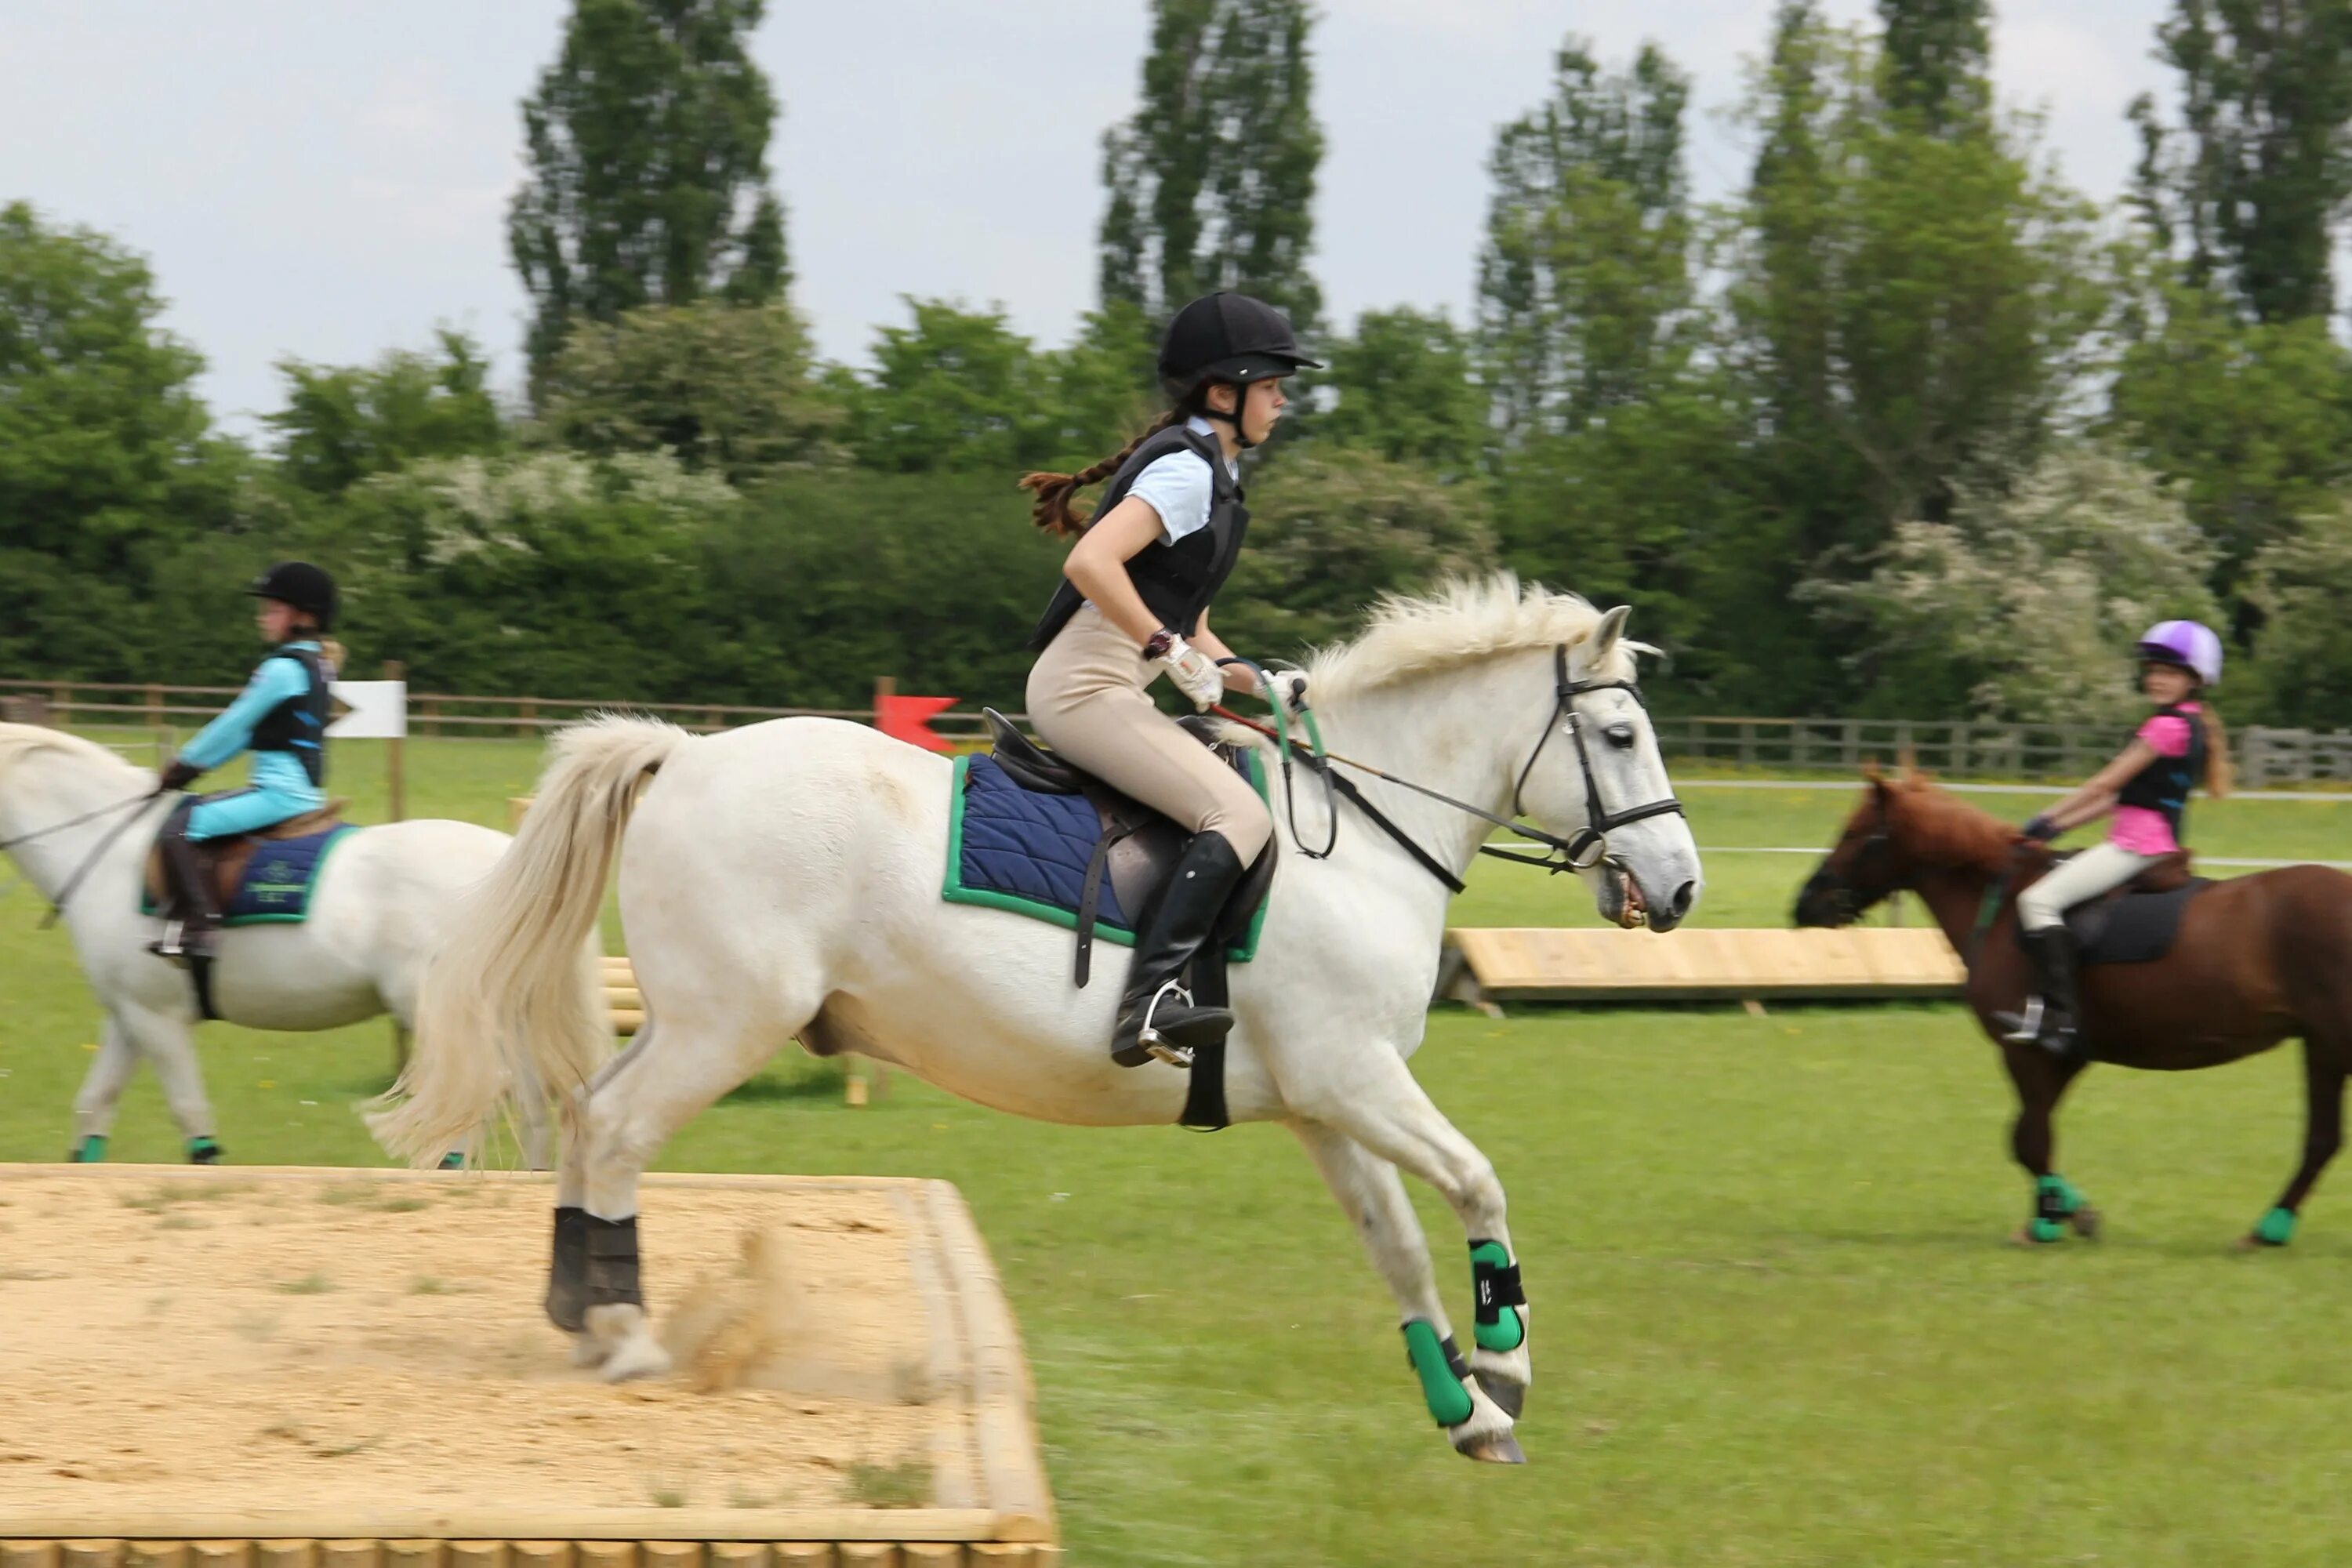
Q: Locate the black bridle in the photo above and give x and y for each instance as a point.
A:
(1579, 851)
(1589, 845)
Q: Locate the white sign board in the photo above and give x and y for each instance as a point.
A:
(369, 711)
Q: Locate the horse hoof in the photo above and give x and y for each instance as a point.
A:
(586, 1351)
(638, 1358)
(2085, 1221)
(1499, 1449)
(1511, 1397)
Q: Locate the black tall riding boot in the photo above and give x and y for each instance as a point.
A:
(2049, 1020)
(189, 924)
(1157, 1017)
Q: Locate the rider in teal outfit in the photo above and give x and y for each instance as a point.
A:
(281, 718)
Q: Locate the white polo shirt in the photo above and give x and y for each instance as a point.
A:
(1181, 487)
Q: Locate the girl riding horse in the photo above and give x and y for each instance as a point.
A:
(1134, 605)
(281, 718)
(2146, 787)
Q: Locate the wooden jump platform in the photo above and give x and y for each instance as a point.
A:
(210, 1433)
(1487, 968)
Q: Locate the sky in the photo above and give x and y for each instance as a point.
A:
(325, 178)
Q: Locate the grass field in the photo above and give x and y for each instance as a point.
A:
(1774, 1319)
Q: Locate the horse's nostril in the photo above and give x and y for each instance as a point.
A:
(1682, 899)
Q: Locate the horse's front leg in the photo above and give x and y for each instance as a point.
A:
(170, 1044)
(2041, 1078)
(1475, 1401)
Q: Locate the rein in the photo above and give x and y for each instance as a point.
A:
(73, 883)
(1579, 851)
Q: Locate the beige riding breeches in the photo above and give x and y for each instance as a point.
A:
(1087, 698)
(2096, 870)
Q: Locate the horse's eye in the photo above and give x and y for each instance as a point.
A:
(1621, 735)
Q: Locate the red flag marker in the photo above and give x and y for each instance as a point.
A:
(908, 719)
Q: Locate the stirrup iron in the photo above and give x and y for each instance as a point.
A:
(1150, 1039)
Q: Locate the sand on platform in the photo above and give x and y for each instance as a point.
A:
(342, 1343)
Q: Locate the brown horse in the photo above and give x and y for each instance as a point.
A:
(2256, 959)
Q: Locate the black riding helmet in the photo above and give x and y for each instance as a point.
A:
(301, 584)
(1230, 337)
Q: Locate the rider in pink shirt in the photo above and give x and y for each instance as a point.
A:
(2146, 787)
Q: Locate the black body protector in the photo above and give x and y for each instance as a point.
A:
(299, 724)
(1177, 582)
(2164, 785)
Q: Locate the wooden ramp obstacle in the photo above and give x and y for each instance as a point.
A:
(351, 1418)
(1492, 966)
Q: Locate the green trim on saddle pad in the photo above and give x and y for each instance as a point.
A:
(335, 836)
(955, 892)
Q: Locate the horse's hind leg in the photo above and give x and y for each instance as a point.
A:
(1373, 1197)
(2041, 1078)
(2324, 1063)
(665, 1077)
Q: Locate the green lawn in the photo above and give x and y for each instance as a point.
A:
(1775, 1319)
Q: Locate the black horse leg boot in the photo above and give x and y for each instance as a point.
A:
(1156, 1018)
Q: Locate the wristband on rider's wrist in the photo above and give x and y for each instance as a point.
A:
(1156, 645)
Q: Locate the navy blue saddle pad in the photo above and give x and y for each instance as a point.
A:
(1027, 851)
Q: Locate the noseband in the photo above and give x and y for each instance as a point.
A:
(1589, 845)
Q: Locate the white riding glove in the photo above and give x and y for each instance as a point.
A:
(1196, 673)
(1286, 690)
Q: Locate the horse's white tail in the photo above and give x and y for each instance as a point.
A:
(512, 994)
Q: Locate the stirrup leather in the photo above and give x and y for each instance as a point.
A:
(1149, 1039)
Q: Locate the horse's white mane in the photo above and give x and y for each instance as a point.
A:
(1462, 620)
(18, 741)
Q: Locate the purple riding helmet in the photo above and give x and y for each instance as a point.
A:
(2185, 643)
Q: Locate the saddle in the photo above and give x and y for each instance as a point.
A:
(2137, 923)
(1134, 847)
(226, 860)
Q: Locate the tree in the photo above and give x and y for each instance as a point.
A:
(729, 389)
(647, 139)
(1911, 310)
(1937, 62)
(958, 389)
(2301, 585)
(482, 573)
(342, 423)
(1211, 184)
(2024, 605)
(2253, 420)
(1585, 275)
(2247, 193)
(107, 458)
(1407, 390)
(1330, 534)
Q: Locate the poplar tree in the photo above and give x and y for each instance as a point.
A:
(647, 139)
(2248, 189)
(1211, 184)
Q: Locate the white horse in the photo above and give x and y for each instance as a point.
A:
(375, 916)
(784, 879)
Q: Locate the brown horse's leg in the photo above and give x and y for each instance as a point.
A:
(2324, 1066)
(2041, 1078)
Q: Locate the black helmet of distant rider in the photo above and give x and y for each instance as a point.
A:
(1226, 338)
(304, 586)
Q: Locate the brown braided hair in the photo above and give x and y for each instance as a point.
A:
(1052, 512)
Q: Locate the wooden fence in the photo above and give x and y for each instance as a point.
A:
(1953, 749)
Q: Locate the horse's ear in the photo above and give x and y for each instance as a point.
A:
(1604, 641)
